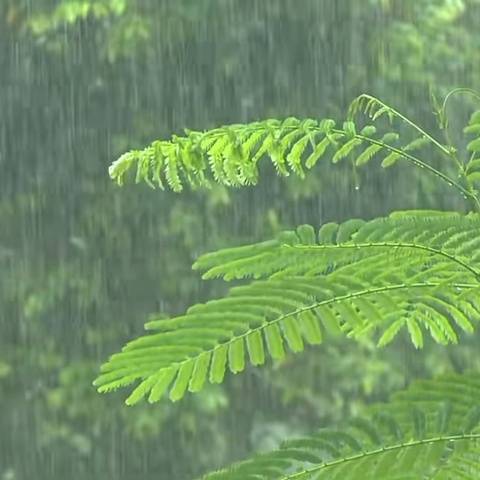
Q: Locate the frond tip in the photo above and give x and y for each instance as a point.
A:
(228, 155)
(413, 271)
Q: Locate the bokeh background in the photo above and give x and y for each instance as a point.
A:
(84, 263)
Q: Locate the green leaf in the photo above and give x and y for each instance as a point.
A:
(327, 232)
(306, 234)
(142, 390)
(311, 328)
(475, 118)
(255, 348)
(329, 320)
(416, 144)
(391, 332)
(380, 112)
(199, 372)
(368, 309)
(350, 129)
(390, 137)
(236, 355)
(292, 334)
(474, 177)
(368, 130)
(163, 382)
(389, 160)
(219, 364)
(180, 386)
(318, 151)
(474, 146)
(475, 128)
(460, 318)
(473, 165)
(348, 229)
(415, 332)
(435, 329)
(344, 150)
(274, 342)
(327, 125)
(367, 154)
(348, 314)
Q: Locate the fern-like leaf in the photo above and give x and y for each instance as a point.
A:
(412, 271)
(230, 155)
(430, 430)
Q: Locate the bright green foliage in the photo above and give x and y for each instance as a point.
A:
(230, 155)
(124, 26)
(69, 12)
(413, 272)
(429, 431)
